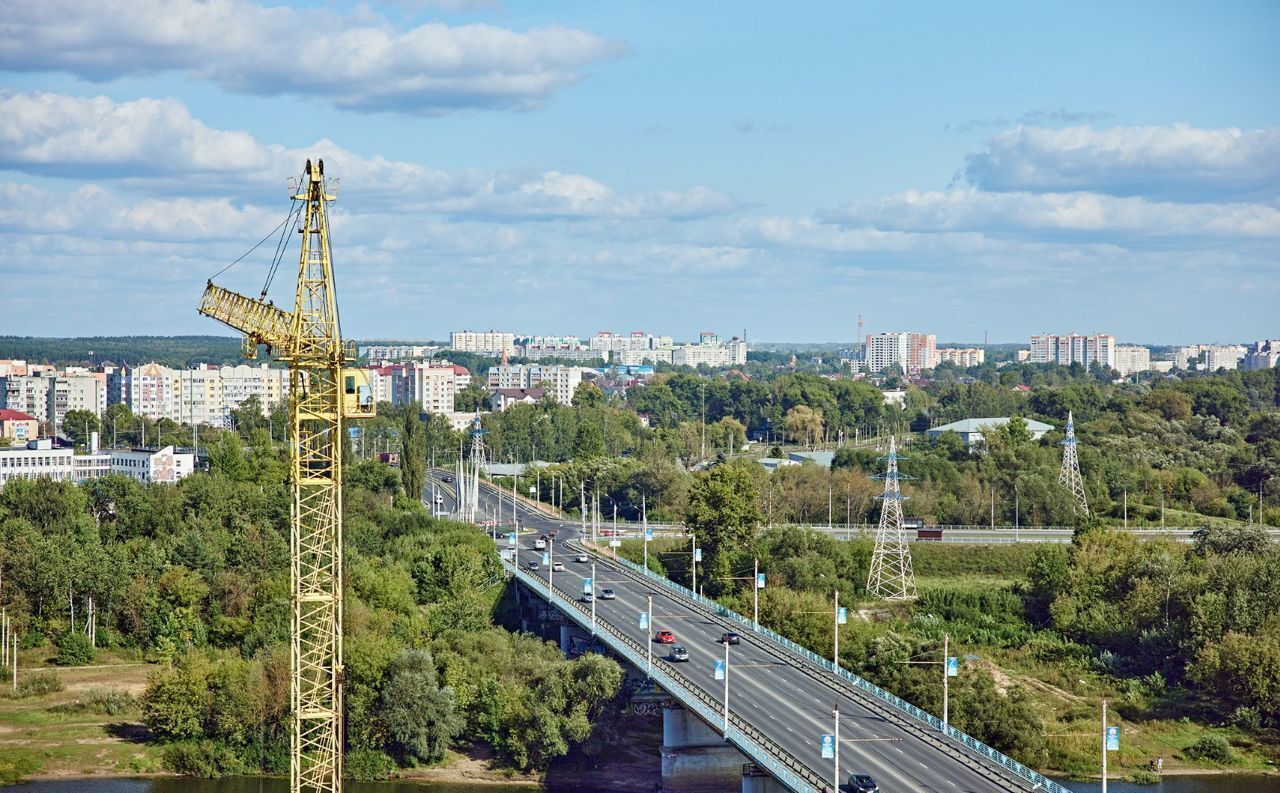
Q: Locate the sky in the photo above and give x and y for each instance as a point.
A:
(963, 169)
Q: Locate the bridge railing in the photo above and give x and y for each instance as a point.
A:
(897, 703)
(750, 741)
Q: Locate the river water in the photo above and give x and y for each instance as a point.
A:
(1204, 784)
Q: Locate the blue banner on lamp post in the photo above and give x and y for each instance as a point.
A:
(1113, 739)
(953, 666)
(587, 585)
(842, 616)
(759, 580)
(644, 620)
(718, 668)
(697, 554)
(828, 746)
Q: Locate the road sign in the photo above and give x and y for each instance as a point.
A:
(587, 584)
(718, 666)
(533, 491)
(648, 534)
(615, 543)
(1113, 739)
(828, 746)
(546, 558)
(953, 666)
(354, 432)
(644, 620)
(511, 538)
(759, 580)
(697, 554)
(842, 616)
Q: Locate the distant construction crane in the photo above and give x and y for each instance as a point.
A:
(1069, 475)
(322, 392)
(891, 576)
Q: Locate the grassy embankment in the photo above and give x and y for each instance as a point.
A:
(1066, 693)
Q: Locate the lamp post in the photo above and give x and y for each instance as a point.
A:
(835, 716)
(644, 521)
(726, 689)
(593, 597)
(648, 640)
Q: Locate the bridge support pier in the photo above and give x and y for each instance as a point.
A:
(756, 780)
(572, 637)
(695, 757)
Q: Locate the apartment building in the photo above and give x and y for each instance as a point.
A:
(489, 342)
(964, 357)
(377, 353)
(908, 353)
(18, 427)
(1263, 354)
(1074, 348)
(48, 397)
(560, 381)
(1131, 359)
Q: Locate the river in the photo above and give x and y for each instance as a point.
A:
(1201, 784)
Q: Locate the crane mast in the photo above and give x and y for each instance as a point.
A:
(321, 394)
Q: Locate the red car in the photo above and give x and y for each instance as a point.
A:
(664, 637)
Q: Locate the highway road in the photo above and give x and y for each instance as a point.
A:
(771, 689)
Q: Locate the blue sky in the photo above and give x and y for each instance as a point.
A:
(568, 167)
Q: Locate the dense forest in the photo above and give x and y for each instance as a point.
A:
(194, 578)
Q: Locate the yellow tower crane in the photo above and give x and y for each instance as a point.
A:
(321, 394)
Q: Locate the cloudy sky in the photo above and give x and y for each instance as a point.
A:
(564, 167)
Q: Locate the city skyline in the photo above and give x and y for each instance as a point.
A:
(1115, 169)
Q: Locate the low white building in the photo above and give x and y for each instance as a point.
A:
(152, 465)
(38, 459)
(973, 431)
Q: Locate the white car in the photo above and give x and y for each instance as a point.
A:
(582, 557)
(557, 567)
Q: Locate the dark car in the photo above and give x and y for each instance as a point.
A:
(664, 637)
(446, 478)
(730, 637)
(861, 783)
(607, 594)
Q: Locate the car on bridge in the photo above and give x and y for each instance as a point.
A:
(587, 597)
(608, 594)
(862, 783)
(730, 637)
(678, 653)
(540, 543)
(446, 478)
(582, 557)
(532, 565)
(664, 637)
(558, 567)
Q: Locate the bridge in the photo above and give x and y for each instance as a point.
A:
(781, 697)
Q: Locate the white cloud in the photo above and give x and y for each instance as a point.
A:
(362, 64)
(1082, 214)
(156, 146)
(1178, 162)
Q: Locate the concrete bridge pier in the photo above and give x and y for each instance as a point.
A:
(757, 780)
(695, 757)
(573, 637)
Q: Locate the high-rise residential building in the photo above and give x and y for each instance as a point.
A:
(908, 353)
(1132, 359)
(1263, 354)
(710, 352)
(489, 342)
(1226, 356)
(1074, 348)
(641, 357)
(964, 357)
(47, 397)
(560, 381)
(378, 353)
(434, 387)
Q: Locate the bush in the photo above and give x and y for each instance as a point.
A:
(39, 684)
(207, 759)
(74, 649)
(104, 701)
(12, 771)
(1144, 777)
(1213, 748)
(1247, 719)
(368, 765)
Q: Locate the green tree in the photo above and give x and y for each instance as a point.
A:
(588, 395)
(413, 452)
(421, 717)
(78, 424)
(226, 457)
(804, 425)
(724, 510)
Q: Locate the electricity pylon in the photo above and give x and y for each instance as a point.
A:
(891, 577)
(1069, 475)
(469, 484)
(321, 394)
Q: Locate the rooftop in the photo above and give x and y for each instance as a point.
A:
(14, 415)
(977, 425)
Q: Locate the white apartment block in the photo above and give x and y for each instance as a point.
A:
(397, 352)
(432, 386)
(1264, 354)
(1131, 359)
(489, 342)
(908, 353)
(964, 357)
(711, 352)
(641, 357)
(1074, 348)
(560, 381)
(47, 398)
(1223, 357)
(204, 395)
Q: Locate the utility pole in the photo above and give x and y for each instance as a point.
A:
(835, 633)
(1104, 746)
(726, 690)
(755, 594)
(551, 566)
(835, 715)
(829, 501)
(693, 557)
(993, 506)
(1126, 508)
(644, 521)
(582, 505)
(946, 682)
(648, 640)
(593, 597)
(1069, 474)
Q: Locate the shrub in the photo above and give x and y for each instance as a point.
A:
(12, 771)
(39, 684)
(207, 759)
(1144, 777)
(105, 701)
(1247, 719)
(368, 765)
(1210, 747)
(74, 649)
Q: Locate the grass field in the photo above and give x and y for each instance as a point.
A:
(71, 732)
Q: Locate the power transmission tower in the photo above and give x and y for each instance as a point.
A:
(475, 469)
(1070, 473)
(322, 392)
(891, 577)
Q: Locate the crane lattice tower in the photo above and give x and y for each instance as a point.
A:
(1069, 475)
(321, 394)
(891, 576)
